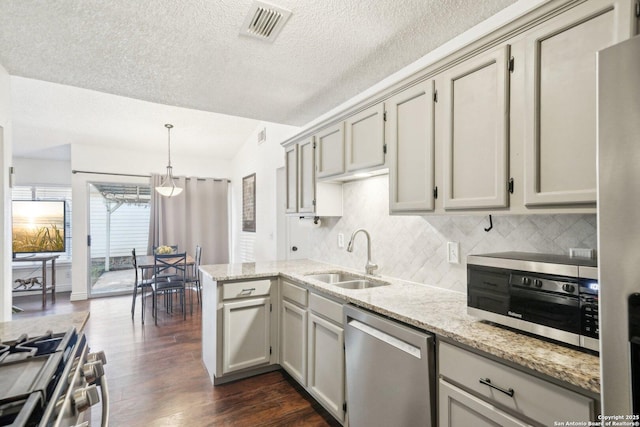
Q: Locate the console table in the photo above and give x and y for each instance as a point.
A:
(44, 286)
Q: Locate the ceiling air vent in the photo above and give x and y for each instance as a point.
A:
(262, 136)
(264, 21)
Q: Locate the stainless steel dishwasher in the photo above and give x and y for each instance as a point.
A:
(390, 372)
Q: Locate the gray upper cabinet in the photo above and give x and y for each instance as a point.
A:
(330, 151)
(365, 138)
(512, 126)
(473, 98)
(291, 167)
(305, 196)
(560, 140)
(410, 138)
(306, 177)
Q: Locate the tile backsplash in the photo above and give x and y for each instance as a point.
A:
(414, 247)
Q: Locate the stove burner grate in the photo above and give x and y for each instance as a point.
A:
(30, 371)
(24, 348)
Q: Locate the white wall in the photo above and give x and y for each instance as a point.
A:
(263, 160)
(5, 195)
(107, 159)
(42, 172)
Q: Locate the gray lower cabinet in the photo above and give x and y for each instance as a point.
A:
(312, 345)
(473, 387)
(293, 331)
(459, 408)
(326, 365)
(247, 334)
(239, 329)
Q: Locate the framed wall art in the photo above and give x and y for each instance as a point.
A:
(249, 203)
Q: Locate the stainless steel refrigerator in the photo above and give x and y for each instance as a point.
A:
(618, 218)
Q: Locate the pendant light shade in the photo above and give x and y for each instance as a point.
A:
(168, 187)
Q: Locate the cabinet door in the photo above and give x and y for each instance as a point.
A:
(326, 365)
(291, 171)
(247, 337)
(461, 409)
(294, 341)
(410, 137)
(365, 138)
(532, 397)
(475, 111)
(560, 143)
(306, 177)
(330, 151)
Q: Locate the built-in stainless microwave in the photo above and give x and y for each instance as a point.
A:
(553, 296)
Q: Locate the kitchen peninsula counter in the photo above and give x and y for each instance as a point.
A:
(438, 311)
(34, 326)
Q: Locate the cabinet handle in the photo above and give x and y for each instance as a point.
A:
(486, 381)
(247, 290)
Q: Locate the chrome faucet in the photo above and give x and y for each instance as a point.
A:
(370, 265)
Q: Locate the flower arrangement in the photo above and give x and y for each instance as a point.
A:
(164, 250)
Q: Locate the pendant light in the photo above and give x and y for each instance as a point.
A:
(168, 187)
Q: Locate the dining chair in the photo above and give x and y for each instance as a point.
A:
(142, 284)
(193, 277)
(170, 278)
(167, 274)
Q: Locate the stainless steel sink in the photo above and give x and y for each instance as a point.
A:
(346, 280)
(360, 284)
(333, 278)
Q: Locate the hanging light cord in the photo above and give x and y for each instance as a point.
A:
(169, 126)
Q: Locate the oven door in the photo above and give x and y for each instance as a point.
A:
(488, 289)
(545, 308)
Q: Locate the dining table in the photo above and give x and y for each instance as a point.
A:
(147, 263)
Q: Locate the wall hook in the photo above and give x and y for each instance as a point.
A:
(490, 224)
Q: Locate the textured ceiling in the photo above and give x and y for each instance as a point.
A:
(162, 55)
(49, 117)
(189, 53)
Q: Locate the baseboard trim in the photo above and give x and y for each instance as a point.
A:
(79, 296)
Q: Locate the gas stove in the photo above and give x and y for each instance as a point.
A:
(50, 380)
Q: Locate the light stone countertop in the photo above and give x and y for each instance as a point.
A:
(34, 326)
(436, 310)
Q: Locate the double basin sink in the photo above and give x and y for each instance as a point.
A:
(346, 280)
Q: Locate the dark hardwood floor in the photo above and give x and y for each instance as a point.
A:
(156, 376)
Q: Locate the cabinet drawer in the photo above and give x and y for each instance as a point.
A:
(532, 397)
(245, 289)
(294, 293)
(330, 309)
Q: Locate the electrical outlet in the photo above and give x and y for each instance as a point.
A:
(453, 252)
(341, 240)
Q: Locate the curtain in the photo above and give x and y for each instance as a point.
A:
(197, 216)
